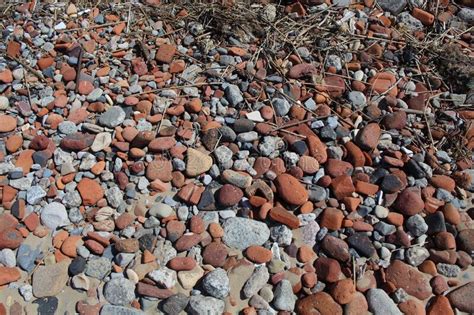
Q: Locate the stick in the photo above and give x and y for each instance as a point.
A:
(38, 74)
(78, 68)
(91, 27)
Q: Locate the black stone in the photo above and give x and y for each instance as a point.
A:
(77, 265)
(378, 175)
(147, 242)
(47, 305)
(327, 133)
(207, 201)
(243, 125)
(414, 169)
(391, 184)
(41, 158)
(435, 223)
(362, 244)
(227, 134)
(299, 147)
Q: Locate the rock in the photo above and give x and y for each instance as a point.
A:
(199, 305)
(393, 6)
(281, 106)
(409, 202)
(164, 277)
(119, 291)
(8, 274)
(54, 215)
(175, 304)
(101, 141)
(380, 303)
(77, 141)
(229, 195)
(357, 99)
(439, 305)
(258, 254)
(197, 162)
(256, 282)
(109, 309)
(49, 280)
(7, 123)
(98, 267)
(233, 95)
(90, 190)
(291, 190)
(318, 303)
(462, 297)
(368, 137)
(409, 278)
(241, 233)
(335, 248)
(343, 291)
(10, 238)
(284, 299)
(216, 283)
(302, 70)
(113, 117)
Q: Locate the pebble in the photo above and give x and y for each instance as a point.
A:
(216, 283)
(119, 291)
(50, 280)
(380, 303)
(241, 233)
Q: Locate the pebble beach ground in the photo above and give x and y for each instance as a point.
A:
(237, 157)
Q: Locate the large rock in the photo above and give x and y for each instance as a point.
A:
(291, 190)
(404, 276)
(462, 298)
(241, 233)
(318, 303)
(199, 304)
(49, 280)
(54, 215)
(197, 162)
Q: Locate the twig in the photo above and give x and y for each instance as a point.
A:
(79, 66)
(38, 74)
(177, 87)
(91, 27)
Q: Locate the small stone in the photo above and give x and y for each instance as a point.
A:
(112, 117)
(197, 162)
(291, 190)
(241, 233)
(119, 291)
(54, 215)
(284, 299)
(199, 305)
(7, 123)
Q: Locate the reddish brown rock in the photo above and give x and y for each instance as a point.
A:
(342, 186)
(302, 70)
(7, 123)
(291, 190)
(77, 141)
(165, 53)
(412, 306)
(319, 303)
(229, 195)
(343, 291)
(162, 144)
(336, 248)
(327, 269)
(90, 190)
(182, 263)
(335, 168)
(258, 254)
(368, 137)
(8, 275)
(285, 217)
(127, 245)
(215, 254)
(10, 238)
(444, 182)
(409, 202)
(159, 169)
(187, 241)
(331, 218)
(404, 276)
(439, 305)
(317, 149)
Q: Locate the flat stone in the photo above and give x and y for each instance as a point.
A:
(49, 280)
(241, 233)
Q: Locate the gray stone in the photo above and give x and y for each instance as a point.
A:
(216, 283)
(67, 127)
(113, 117)
(448, 270)
(233, 94)
(256, 282)
(281, 106)
(114, 196)
(26, 257)
(95, 95)
(393, 6)
(119, 291)
(416, 225)
(357, 99)
(381, 304)
(466, 14)
(49, 280)
(7, 257)
(241, 233)
(281, 234)
(34, 194)
(54, 215)
(4, 103)
(164, 277)
(410, 21)
(284, 299)
(203, 305)
(109, 309)
(416, 255)
(98, 267)
(175, 304)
